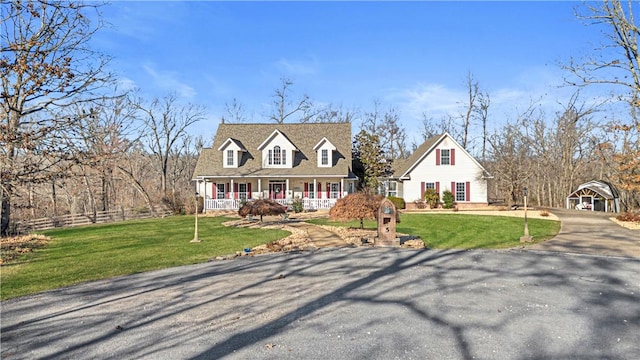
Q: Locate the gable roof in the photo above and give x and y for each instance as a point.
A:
(322, 142)
(304, 136)
(402, 168)
(234, 141)
(269, 138)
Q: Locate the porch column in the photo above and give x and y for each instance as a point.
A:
(259, 187)
(231, 196)
(341, 188)
(315, 188)
(287, 188)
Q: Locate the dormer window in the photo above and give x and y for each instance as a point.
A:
(231, 153)
(230, 158)
(277, 151)
(325, 149)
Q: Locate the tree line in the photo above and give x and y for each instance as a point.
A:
(72, 142)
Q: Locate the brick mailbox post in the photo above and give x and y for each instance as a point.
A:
(387, 225)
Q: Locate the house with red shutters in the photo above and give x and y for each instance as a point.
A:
(440, 163)
(310, 161)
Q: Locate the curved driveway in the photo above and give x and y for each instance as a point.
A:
(586, 232)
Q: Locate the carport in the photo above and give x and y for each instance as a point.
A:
(595, 195)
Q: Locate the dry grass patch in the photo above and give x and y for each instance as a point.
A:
(13, 248)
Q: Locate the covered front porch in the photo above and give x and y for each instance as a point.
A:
(229, 193)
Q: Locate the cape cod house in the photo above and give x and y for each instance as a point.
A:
(442, 164)
(282, 162)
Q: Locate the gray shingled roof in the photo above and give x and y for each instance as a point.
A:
(303, 136)
(401, 167)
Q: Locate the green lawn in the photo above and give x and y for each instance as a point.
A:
(460, 231)
(96, 252)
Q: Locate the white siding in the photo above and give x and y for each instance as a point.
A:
(464, 170)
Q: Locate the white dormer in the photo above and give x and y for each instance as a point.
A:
(231, 153)
(324, 150)
(277, 151)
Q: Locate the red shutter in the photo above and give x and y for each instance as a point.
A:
(235, 191)
(226, 191)
(215, 191)
(437, 156)
(453, 190)
(438, 188)
(248, 190)
(453, 156)
(422, 189)
(306, 190)
(340, 190)
(319, 190)
(328, 189)
(468, 192)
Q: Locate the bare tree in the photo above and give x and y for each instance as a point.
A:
(46, 65)
(470, 107)
(482, 114)
(235, 112)
(391, 134)
(167, 122)
(284, 107)
(334, 114)
(616, 65)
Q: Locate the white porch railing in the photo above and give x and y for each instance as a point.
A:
(234, 204)
(222, 204)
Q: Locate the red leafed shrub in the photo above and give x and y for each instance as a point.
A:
(356, 206)
(629, 216)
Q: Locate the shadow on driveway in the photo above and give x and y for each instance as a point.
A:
(378, 303)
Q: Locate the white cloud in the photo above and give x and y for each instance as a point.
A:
(434, 100)
(126, 84)
(297, 67)
(169, 82)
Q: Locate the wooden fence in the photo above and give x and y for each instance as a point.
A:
(100, 217)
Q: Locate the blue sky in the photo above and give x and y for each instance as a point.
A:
(413, 56)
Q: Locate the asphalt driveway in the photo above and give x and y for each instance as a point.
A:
(590, 232)
(376, 303)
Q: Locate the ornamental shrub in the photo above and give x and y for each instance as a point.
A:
(432, 198)
(297, 205)
(397, 201)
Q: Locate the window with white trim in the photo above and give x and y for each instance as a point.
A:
(242, 191)
(334, 192)
(445, 157)
(220, 191)
(429, 185)
(312, 191)
(230, 160)
(277, 155)
(324, 157)
(392, 188)
(461, 192)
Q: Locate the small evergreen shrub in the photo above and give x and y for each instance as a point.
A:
(447, 199)
(397, 201)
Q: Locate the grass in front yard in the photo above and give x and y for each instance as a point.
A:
(96, 252)
(463, 231)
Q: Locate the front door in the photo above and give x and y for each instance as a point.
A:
(277, 190)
